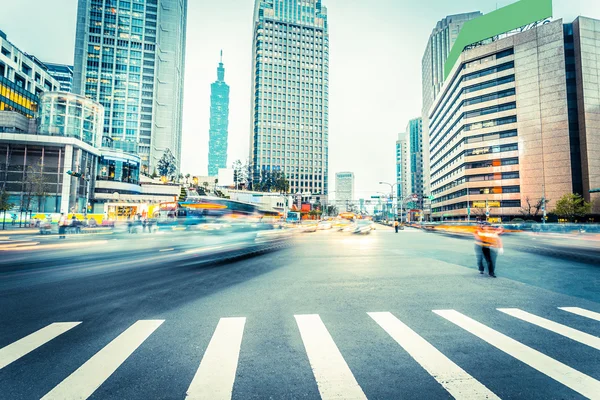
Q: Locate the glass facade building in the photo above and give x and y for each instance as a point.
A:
(63, 74)
(129, 56)
(23, 79)
(219, 121)
(290, 87)
(71, 115)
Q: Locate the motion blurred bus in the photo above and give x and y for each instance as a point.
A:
(202, 209)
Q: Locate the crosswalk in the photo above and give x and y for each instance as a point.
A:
(216, 371)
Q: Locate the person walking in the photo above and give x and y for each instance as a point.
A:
(487, 246)
(396, 225)
(62, 226)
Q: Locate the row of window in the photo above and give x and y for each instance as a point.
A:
(478, 191)
(474, 75)
(464, 205)
(436, 132)
(473, 126)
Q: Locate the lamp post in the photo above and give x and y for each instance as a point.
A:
(393, 197)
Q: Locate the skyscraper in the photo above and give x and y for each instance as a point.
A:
(402, 166)
(63, 74)
(129, 56)
(219, 121)
(414, 144)
(290, 89)
(344, 189)
(440, 43)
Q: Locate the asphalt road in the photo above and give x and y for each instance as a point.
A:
(381, 316)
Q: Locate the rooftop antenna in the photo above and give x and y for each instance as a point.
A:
(221, 61)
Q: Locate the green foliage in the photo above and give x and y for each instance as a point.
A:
(272, 181)
(167, 165)
(182, 194)
(4, 204)
(572, 205)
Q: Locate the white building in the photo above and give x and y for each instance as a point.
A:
(23, 79)
(290, 114)
(344, 189)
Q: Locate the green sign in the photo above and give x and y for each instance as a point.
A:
(506, 19)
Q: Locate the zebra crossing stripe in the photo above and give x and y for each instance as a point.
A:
(570, 377)
(555, 327)
(582, 312)
(333, 376)
(21, 347)
(453, 378)
(87, 378)
(215, 377)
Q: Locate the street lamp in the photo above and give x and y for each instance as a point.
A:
(393, 197)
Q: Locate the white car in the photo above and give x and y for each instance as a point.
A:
(324, 225)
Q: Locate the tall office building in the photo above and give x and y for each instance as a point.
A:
(414, 144)
(219, 121)
(402, 166)
(129, 56)
(290, 89)
(344, 189)
(63, 74)
(440, 43)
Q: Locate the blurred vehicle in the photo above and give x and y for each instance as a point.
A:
(292, 217)
(324, 225)
(363, 227)
(308, 226)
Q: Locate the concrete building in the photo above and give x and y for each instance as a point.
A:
(63, 74)
(584, 80)
(440, 42)
(516, 121)
(34, 160)
(219, 122)
(290, 87)
(23, 79)
(344, 189)
(130, 57)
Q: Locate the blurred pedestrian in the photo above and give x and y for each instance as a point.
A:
(396, 225)
(487, 246)
(62, 225)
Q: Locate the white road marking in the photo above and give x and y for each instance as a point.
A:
(23, 346)
(333, 376)
(570, 377)
(87, 378)
(582, 312)
(555, 327)
(216, 375)
(453, 378)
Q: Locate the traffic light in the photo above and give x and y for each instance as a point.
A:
(77, 175)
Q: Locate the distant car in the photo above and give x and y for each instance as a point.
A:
(308, 226)
(324, 225)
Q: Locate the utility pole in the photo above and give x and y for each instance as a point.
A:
(543, 203)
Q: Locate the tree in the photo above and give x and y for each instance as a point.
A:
(572, 205)
(182, 194)
(238, 173)
(4, 204)
(330, 210)
(167, 165)
(532, 210)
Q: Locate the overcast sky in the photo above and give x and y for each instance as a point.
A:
(375, 70)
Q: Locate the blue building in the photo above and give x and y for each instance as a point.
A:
(414, 139)
(219, 121)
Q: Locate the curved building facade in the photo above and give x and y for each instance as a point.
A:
(71, 115)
